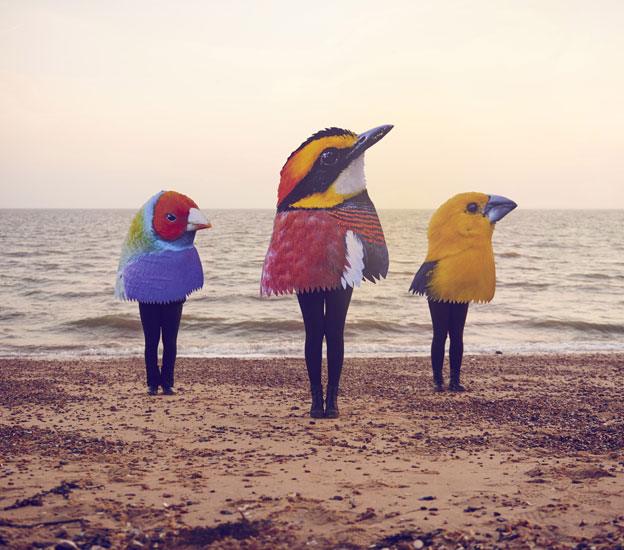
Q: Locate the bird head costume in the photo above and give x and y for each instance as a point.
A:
(159, 263)
(459, 266)
(326, 233)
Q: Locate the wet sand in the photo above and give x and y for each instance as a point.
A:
(532, 456)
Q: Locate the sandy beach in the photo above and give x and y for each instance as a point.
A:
(530, 457)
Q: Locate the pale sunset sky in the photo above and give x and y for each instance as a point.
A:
(103, 103)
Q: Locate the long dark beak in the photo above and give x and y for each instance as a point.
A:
(498, 207)
(368, 139)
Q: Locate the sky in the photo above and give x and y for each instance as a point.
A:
(104, 103)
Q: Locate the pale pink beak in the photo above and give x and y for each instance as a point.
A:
(197, 220)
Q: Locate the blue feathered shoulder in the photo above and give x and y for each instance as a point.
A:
(421, 279)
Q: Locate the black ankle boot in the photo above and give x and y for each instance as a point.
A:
(331, 405)
(316, 410)
(454, 384)
(438, 382)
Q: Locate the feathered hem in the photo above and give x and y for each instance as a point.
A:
(268, 292)
(171, 301)
(433, 299)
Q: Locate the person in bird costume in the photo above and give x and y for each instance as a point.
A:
(326, 240)
(459, 269)
(159, 268)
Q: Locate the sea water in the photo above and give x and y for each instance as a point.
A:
(560, 288)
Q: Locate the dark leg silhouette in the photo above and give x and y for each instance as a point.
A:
(336, 308)
(459, 313)
(312, 306)
(170, 323)
(440, 319)
(150, 319)
(324, 315)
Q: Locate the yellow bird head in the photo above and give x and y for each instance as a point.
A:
(460, 247)
(326, 169)
(465, 221)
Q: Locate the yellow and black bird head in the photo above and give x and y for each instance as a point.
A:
(459, 266)
(326, 169)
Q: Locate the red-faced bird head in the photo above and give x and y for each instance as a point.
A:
(175, 215)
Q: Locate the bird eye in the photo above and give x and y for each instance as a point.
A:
(329, 157)
(472, 207)
(171, 217)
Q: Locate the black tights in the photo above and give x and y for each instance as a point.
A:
(447, 318)
(156, 318)
(324, 315)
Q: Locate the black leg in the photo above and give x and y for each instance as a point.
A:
(150, 319)
(312, 306)
(337, 306)
(440, 318)
(171, 315)
(456, 348)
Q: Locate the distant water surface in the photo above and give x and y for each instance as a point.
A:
(560, 288)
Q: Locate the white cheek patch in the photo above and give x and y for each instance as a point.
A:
(352, 179)
(353, 273)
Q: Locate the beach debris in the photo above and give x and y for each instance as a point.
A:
(239, 530)
(410, 538)
(470, 509)
(64, 489)
(369, 513)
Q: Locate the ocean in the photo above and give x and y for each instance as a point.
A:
(560, 288)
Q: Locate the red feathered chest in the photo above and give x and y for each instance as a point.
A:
(312, 250)
(307, 252)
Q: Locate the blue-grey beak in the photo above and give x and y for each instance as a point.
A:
(498, 207)
(368, 139)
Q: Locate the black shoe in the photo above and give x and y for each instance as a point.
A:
(152, 390)
(168, 390)
(454, 384)
(438, 381)
(316, 410)
(331, 403)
